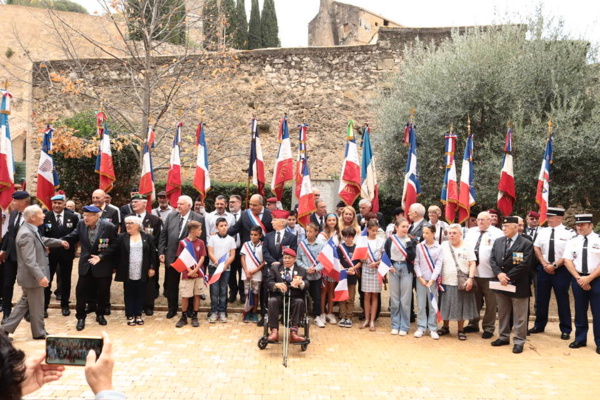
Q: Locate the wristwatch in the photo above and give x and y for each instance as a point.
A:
(554, 264)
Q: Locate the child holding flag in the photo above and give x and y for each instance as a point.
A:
(252, 265)
(331, 230)
(308, 251)
(370, 283)
(221, 252)
(192, 278)
(345, 251)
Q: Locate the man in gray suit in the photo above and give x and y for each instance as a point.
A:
(174, 230)
(32, 273)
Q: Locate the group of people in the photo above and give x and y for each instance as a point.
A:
(449, 271)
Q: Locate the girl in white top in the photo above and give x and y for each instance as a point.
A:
(331, 230)
(370, 284)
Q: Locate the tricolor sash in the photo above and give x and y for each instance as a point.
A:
(256, 221)
(252, 255)
(431, 264)
(401, 248)
(345, 254)
(371, 254)
(309, 254)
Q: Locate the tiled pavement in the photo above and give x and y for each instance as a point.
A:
(222, 361)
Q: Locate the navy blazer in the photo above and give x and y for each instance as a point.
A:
(9, 244)
(276, 275)
(169, 235)
(270, 253)
(244, 224)
(106, 234)
(516, 264)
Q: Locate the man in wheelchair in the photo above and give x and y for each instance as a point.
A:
(283, 279)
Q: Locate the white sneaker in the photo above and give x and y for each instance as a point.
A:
(331, 319)
(394, 331)
(213, 318)
(319, 322)
(222, 317)
(342, 323)
(434, 335)
(348, 323)
(419, 333)
(402, 333)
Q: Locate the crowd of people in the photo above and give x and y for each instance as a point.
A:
(445, 272)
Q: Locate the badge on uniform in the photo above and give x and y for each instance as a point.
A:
(69, 224)
(517, 258)
(102, 244)
(48, 227)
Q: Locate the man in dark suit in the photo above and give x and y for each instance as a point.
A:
(511, 264)
(364, 207)
(319, 216)
(127, 209)
(416, 214)
(109, 214)
(8, 254)
(283, 278)
(174, 230)
(94, 235)
(59, 222)
(256, 214)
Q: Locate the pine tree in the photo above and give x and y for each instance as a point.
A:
(229, 20)
(240, 40)
(268, 25)
(254, 31)
(210, 25)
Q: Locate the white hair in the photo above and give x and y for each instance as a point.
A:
(455, 227)
(365, 202)
(30, 211)
(135, 219)
(418, 208)
(186, 199)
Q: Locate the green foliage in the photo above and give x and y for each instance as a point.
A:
(59, 5)
(268, 25)
(522, 74)
(210, 24)
(240, 34)
(9, 52)
(254, 28)
(160, 20)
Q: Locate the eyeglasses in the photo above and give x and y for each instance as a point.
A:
(129, 223)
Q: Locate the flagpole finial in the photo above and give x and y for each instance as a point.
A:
(451, 129)
(303, 116)
(509, 124)
(468, 125)
(6, 84)
(550, 126)
(412, 115)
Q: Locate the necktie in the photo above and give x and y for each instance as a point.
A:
(278, 241)
(139, 215)
(59, 220)
(18, 221)
(287, 275)
(237, 237)
(584, 258)
(478, 244)
(321, 224)
(180, 224)
(507, 247)
(551, 257)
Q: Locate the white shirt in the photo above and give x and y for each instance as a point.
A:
(184, 223)
(484, 269)
(257, 249)
(220, 246)
(440, 231)
(395, 254)
(211, 221)
(463, 256)
(561, 236)
(162, 214)
(574, 249)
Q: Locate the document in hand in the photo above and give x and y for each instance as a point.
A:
(495, 285)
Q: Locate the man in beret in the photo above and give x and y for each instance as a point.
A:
(284, 278)
(8, 254)
(127, 209)
(511, 263)
(533, 224)
(272, 203)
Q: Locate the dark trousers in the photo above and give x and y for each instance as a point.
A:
(1, 281)
(86, 285)
(560, 282)
(314, 290)
(583, 300)
(172, 286)
(150, 291)
(64, 264)
(276, 302)
(264, 292)
(134, 292)
(236, 285)
(10, 277)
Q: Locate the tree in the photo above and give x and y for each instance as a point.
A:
(526, 74)
(254, 29)
(162, 20)
(240, 34)
(211, 28)
(59, 5)
(268, 25)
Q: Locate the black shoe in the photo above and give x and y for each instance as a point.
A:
(535, 329)
(471, 329)
(261, 322)
(202, 297)
(101, 320)
(242, 298)
(576, 344)
(42, 337)
(80, 324)
(58, 297)
(45, 314)
(500, 342)
(598, 349)
(171, 314)
(487, 335)
(565, 336)
(66, 312)
(518, 348)
(107, 311)
(149, 312)
(195, 322)
(231, 298)
(182, 321)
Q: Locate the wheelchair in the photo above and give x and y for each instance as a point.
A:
(263, 342)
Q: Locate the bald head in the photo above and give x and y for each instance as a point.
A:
(98, 198)
(484, 220)
(256, 204)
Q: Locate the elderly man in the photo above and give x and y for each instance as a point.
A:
(163, 209)
(416, 214)
(549, 248)
(319, 216)
(109, 214)
(284, 278)
(481, 240)
(32, 274)
(174, 230)
(70, 205)
(533, 224)
(94, 235)
(582, 259)
(511, 262)
(8, 254)
(364, 207)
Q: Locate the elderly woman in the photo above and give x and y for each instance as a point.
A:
(137, 260)
(457, 304)
(435, 213)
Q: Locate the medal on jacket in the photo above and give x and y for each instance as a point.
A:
(102, 244)
(517, 258)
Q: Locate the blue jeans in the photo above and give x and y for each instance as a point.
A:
(424, 321)
(218, 291)
(400, 295)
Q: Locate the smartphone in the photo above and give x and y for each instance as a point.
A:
(71, 350)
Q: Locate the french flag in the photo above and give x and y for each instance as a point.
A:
(220, 268)
(47, 177)
(434, 305)
(369, 189)
(302, 137)
(173, 186)
(507, 194)
(543, 185)
(466, 198)
(147, 179)
(256, 169)
(361, 252)
(351, 174)
(7, 162)
(341, 289)
(328, 257)
(284, 164)
(384, 267)
(104, 161)
(412, 184)
(201, 177)
(187, 258)
(449, 195)
(306, 201)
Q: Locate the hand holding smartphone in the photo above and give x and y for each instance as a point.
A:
(71, 350)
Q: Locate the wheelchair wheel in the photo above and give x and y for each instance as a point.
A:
(262, 343)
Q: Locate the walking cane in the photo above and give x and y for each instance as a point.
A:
(286, 327)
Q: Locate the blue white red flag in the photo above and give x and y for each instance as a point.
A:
(306, 201)
(147, 180)
(201, 177)
(412, 184)
(368, 188)
(328, 257)
(466, 197)
(450, 187)
(434, 305)
(384, 267)
(47, 177)
(543, 185)
(341, 289)
(302, 138)
(220, 268)
(361, 252)
(187, 258)
(507, 194)
(104, 161)
(350, 178)
(7, 162)
(256, 169)
(284, 164)
(173, 186)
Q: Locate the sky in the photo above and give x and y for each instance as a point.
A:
(581, 17)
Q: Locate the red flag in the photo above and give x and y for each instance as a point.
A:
(302, 137)
(450, 188)
(147, 180)
(7, 164)
(506, 186)
(306, 201)
(543, 186)
(47, 178)
(201, 177)
(173, 187)
(104, 161)
(256, 169)
(466, 198)
(284, 164)
(350, 176)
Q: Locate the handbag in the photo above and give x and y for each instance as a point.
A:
(462, 277)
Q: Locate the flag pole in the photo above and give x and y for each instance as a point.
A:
(253, 140)
(550, 126)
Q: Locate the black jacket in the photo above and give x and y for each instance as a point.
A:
(120, 248)
(516, 264)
